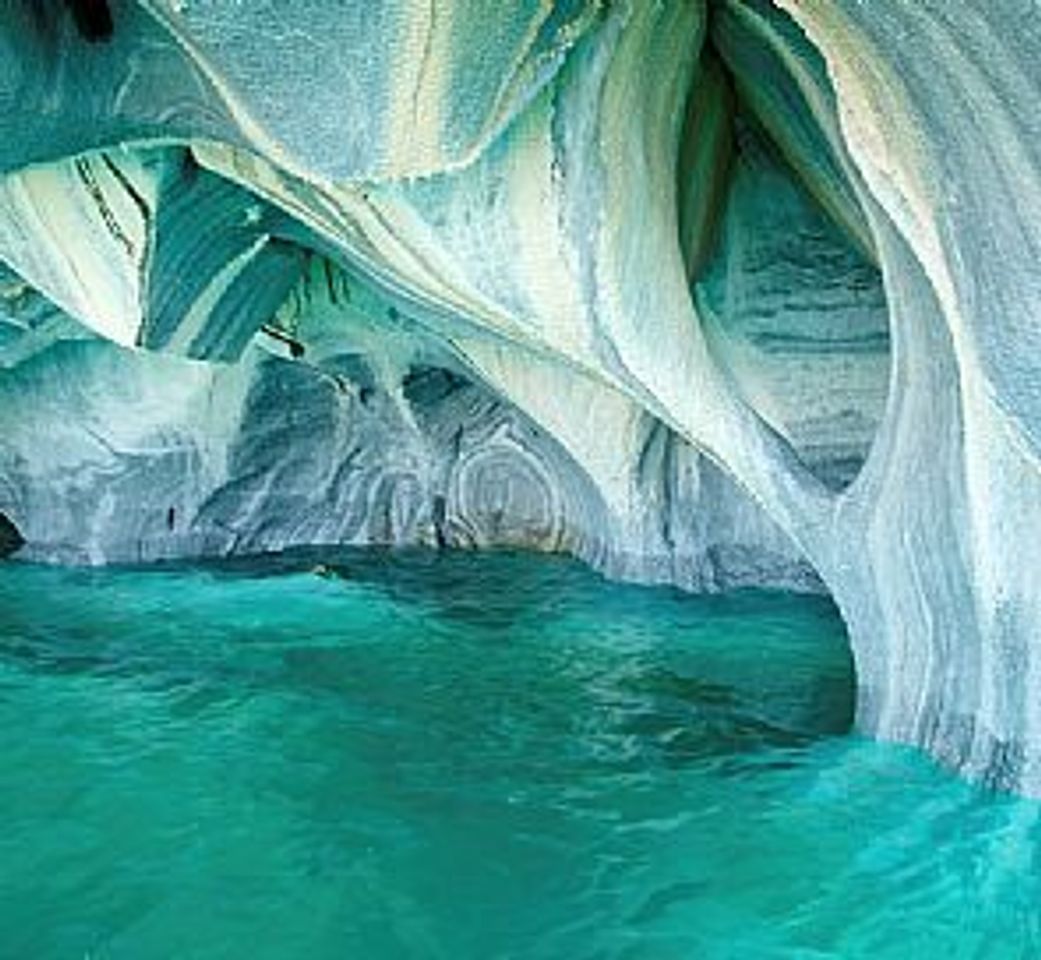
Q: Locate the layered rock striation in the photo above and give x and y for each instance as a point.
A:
(716, 294)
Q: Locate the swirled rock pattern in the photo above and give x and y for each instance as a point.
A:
(711, 293)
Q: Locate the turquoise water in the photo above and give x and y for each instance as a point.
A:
(462, 757)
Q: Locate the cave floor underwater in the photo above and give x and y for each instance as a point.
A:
(397, 754)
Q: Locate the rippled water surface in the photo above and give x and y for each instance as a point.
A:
(406, 755)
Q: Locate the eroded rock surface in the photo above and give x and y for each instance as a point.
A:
(717, 293)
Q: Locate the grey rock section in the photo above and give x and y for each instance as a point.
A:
(217, 267)
(159, 458)
(62, 93)
(796, 315)
(943, 595)
(394, 87)
(29, 321)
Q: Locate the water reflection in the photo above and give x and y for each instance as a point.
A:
(468, 757)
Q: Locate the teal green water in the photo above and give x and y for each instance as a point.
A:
(462, 757)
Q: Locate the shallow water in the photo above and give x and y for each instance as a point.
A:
(468, 757)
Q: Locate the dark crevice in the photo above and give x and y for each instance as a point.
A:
(11, 538)
(93, 19)
(424, 386)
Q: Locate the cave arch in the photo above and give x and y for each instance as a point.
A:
(779, 252)
(556, 228)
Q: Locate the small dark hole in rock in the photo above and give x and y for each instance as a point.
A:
(93, 19)
(10, 537)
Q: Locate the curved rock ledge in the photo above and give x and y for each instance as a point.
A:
(716, 293)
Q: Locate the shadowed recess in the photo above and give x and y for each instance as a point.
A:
(10, 538)
(93, 18)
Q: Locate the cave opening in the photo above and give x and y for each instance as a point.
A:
(778, 250)
(491, 751)
(789, 299)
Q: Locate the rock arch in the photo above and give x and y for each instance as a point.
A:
(519, 207)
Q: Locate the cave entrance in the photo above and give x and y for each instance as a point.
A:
(779, 252)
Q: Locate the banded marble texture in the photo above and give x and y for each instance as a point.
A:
(711, 293)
